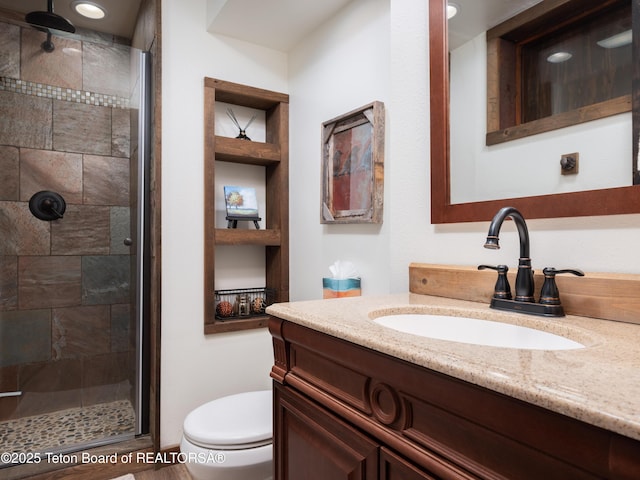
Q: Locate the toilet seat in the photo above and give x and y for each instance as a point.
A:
(234, 422)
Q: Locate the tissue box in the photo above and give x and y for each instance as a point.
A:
(334, 288)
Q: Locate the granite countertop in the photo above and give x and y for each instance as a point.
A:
(599, 384)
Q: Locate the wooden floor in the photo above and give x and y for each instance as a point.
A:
(174, 472)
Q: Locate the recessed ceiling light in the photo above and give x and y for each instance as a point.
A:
(452, 10)
(559, 57)
(619, 40)
(89, 10)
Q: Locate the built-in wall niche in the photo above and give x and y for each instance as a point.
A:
(245, 257)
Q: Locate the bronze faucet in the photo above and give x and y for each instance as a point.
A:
(524, 278)
(549, 304)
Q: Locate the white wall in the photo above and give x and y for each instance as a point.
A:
(340, 67)
(372, 50)
(196, 368)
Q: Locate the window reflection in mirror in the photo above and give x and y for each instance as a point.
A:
(616, 200)
(587, 63)
(482, 167)
(552, 60)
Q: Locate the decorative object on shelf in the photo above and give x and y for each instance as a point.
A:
(353, 166)
(241, 205)
(241, 307)
(243, 302)
(224, 309)
(258, 305)
(243, 131)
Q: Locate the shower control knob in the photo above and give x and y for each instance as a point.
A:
(47, 206)
(128, 242)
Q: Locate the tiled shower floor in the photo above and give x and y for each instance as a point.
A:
(66, 428)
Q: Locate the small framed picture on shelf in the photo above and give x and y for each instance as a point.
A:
(242, 204)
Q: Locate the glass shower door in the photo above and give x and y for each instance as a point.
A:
(71, 296)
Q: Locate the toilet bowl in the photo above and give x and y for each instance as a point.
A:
(230, 438)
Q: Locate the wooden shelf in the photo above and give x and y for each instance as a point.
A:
(244, 95)
(232, 236)
(247, 152)
(273, 155)
(220, 326)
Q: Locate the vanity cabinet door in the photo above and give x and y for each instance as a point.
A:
(393, 467)
(312, 444)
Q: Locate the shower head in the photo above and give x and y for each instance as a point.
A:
(50, 20)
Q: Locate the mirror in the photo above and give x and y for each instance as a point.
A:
(606, 201)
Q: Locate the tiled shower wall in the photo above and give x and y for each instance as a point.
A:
(65, 323)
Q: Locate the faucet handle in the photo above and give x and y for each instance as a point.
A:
(502, 289)
(549, 295)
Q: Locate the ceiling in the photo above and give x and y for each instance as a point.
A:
(281, 24)
(475, 17)
(120, 19)
(276, 24)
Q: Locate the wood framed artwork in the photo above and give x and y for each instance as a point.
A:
(353, 166)
(241, 205)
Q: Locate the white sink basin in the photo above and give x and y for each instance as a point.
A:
(476, 332)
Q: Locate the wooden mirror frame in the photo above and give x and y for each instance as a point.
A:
(607, 201)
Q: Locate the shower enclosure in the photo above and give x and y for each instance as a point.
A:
(73, 145)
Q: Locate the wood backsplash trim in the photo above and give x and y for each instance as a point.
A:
(611, 296)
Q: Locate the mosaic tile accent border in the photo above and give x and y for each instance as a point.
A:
(59, 93)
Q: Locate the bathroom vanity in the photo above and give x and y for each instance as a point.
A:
(354, 399)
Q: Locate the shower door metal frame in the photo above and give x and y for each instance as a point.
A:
(142, 246)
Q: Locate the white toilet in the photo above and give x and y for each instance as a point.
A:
(230, 438)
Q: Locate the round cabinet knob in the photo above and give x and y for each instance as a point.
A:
(128, 242)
